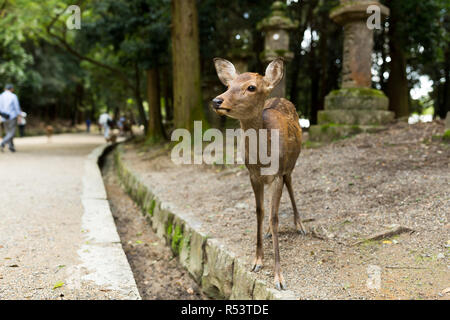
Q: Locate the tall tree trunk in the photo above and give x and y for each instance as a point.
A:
(168, 93)
(305, 11)
(155, 128)
(442, 103)
(397, 85)
(187, 94)
(91, 114)
(315, 83)
(138, 97)
(323, 55)
(76, 104)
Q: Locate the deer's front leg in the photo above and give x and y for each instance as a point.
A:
(277, 189)
(258, 190)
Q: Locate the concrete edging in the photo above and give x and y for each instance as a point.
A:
(102, 253)
(219, 273)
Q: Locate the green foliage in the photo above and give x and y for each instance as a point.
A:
(13, 57)
(420, 30)
(130, 36)
(136, 31)
(446, 136)
(152, 207)
(177, 238)
(422, 33)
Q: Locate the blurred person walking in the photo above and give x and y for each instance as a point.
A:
(105, 121)
(88, 125)
(10, 111)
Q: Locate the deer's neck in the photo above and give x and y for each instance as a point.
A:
(252, 123)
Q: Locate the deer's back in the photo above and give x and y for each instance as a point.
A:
(280, 113)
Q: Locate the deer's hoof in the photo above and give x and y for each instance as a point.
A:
(280, 285)
(256, 267)
(279, 282)
(301, 229)
(257, 264)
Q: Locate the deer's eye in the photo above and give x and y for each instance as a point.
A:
(251, 88)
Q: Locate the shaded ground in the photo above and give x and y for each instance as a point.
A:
(352, 189)
(158, 275)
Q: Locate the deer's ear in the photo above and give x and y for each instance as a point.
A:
(274, 73)
(225, 70)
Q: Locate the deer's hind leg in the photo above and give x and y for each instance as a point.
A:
(258, 190)
(275, 205)
(297, 220)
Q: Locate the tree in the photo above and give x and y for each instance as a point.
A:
(316, 67)
(13, 57)
(187, 92)
(414, 34)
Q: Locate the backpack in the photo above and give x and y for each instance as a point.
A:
(4, 115)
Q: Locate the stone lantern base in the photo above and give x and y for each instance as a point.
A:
(350, 111)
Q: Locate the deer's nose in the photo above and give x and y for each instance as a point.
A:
(216, 103)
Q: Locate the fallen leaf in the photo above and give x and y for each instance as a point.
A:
(58, 285)
(387, 241)
(13, 266)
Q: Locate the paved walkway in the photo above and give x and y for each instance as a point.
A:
(56, 229)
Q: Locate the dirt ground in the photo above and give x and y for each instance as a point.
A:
(158, 275)
(352, 189)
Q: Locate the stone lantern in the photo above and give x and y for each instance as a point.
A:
(356, 107)
(276, 42)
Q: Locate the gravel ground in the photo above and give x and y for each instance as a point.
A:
(40, 218)
(352, 189)
(158, 275)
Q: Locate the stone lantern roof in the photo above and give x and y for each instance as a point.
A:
(276, 27)
(277, 20)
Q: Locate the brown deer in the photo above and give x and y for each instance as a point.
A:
(49, 133)
(245, 100)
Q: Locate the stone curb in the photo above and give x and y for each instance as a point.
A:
(102, 253)
(219, 273)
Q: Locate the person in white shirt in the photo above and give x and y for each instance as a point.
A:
(21, 122)
(103, 121)
(10, 111)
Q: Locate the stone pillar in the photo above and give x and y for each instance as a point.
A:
(357, 59)
(276, 40)
(356, 107)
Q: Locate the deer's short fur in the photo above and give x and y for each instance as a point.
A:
(245, 100)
